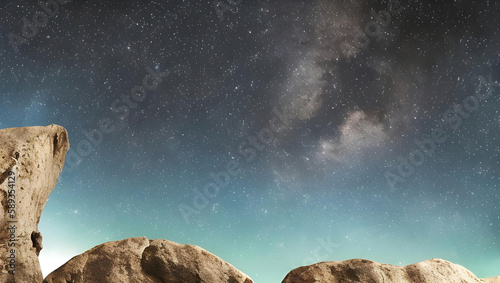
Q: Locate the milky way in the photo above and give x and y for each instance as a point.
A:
(261, 131)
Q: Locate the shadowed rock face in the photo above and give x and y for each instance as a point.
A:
(147, 261)
(361, 270)
(35, 157)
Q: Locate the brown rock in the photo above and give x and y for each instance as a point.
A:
(35, 157)
(492, 280)
(146, 261)
(361, 270)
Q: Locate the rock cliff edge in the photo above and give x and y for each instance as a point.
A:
(31, 160)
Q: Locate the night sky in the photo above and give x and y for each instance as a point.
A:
(272, 134)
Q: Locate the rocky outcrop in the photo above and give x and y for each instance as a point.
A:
(147, 261)
(361, 270)
(31, 160)
(492, 280)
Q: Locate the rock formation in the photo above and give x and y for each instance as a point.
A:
(361, 270)
(147, 261)
(31, 160)
(492, 280)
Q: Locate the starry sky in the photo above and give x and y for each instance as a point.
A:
(272, 134)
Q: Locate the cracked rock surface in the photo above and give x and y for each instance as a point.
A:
(35, 157)
(148, 261)
(362, 270)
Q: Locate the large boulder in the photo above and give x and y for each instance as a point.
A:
(492, 280)
(31, 160)
(146, 261)
(361, 270)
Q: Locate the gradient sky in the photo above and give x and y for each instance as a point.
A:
(324, 184)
